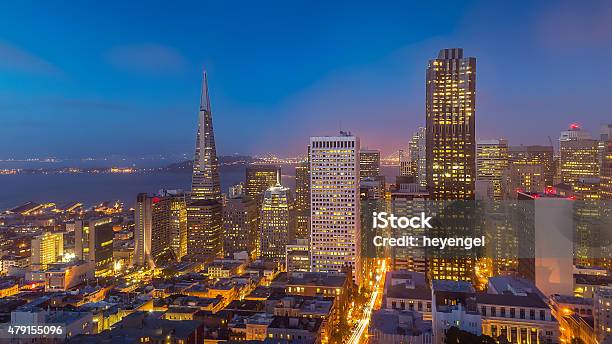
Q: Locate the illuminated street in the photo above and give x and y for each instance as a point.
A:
(362, 325)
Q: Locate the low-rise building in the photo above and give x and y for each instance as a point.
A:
(148, 327)
(399, 327)
(72, 323)
(62, 276)
(295, 330)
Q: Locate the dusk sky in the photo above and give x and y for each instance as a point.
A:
(81, 79)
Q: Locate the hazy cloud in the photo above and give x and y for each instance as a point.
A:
(13, 58)
(577, 24)
(147, 58)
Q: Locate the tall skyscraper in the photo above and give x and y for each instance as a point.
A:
(579, 155)
(335, 207)
(451, 154)
(302, 200)
(204, 211)
(260, 178)
(418, 157)
(369, 164)
(277, 224)
(240, 224)
(491, 162)
(520, 158)
(451, 141)
(46, 248)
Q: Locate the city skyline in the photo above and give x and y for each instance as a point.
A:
(118, 82)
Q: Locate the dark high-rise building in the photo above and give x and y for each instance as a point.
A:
(93, 242)
(240, 224)
(533, 159)
(259, 178)
(369, 163)
(450, 136)
(302, 200)
(204, 212)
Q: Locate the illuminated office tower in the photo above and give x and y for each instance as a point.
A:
(93, 242)
(579, 156)
(369, 164)
(524, 178)
(277, 222)
(260, 178)
(521, 157)
(451, 155)
(169, 226)
(239, 224)
(334, 207)
(418, 157)
(491, 162)
(153, 220)
(302, 200)
(47, 248)
(573, 133)
(606, 171)
(204, 211)
(450, 136)
(591, 225)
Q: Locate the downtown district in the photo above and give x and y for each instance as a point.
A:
(266, 264)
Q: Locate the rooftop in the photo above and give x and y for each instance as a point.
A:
(530, 300)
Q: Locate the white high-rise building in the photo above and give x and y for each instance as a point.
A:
(334, 204)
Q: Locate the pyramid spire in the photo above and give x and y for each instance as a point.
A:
(205, 178)
(204, 99)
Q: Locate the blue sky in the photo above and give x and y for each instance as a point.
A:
(89, 79)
